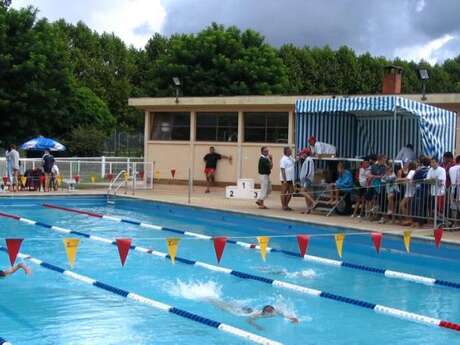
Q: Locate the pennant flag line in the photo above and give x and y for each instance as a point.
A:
(173, 172)
(377, 240)
(71, 248)
(438, 236)
(172, 244)
(263, 243)
(302, 241)
(339, 238)
(219, 245)
(407, 238)
(13, 245)
(123, 244)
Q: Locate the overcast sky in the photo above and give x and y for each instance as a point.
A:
(411, 29)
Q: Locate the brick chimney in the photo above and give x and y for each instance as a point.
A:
(392, 80)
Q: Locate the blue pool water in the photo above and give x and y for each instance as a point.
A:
(49, 308)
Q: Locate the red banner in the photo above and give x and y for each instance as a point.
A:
(377, 240)
(438, 236)
(302, 240)
(13, 245)
(219, 245)
(173, 172)
(123, 244)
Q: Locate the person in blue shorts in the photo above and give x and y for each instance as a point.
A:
(7, 272)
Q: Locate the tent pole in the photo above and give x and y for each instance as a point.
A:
(395, 112)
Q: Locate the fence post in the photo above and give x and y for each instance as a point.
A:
(70, 170)
(127, 165)
(189, 185)
(435, 219)
(134, 177)
(103, 167)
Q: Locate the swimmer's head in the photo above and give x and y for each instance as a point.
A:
(247, 310)
(268, 310)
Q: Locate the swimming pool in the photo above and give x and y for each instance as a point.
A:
(49, 308)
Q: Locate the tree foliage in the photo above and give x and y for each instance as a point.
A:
(56, 78)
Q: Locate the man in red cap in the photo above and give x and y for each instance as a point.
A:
(320, 149)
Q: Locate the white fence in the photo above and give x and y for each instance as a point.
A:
(97, 171)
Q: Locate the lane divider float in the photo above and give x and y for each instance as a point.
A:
(4, 342)
(150, 302)
(394, 312)
(316, 259)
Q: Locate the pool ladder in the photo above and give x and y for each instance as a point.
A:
(116, 184)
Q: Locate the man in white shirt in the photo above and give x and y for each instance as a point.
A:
(287, 178)
(438, 189)
(307, 174)
(12, 158)
(321, 149)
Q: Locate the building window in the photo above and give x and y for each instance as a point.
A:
(266, 127)
(217, 127)
(170, 126)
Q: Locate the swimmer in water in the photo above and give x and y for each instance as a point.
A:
(8, 272)
(266, 312)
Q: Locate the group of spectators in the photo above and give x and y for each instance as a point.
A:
(44, 178)
(407, 190)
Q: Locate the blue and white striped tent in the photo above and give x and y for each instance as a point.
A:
(362, 125)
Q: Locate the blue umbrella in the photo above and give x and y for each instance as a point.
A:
(41, 143)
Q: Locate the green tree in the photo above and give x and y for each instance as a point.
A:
(86, 141)
(216, 61)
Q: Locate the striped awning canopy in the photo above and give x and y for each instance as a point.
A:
(363, 125)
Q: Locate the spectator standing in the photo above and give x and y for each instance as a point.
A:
(376, 191)
(409, 193)
(211, 160)
(363, 173)
(54, 175)
(307, 174)
(47, 163)
(454, 175)
(287, 178)
(420, 204)
(12, 158)
(265, 168)
(391, 190)
(437, 175)
(406, 154)
(447, 163)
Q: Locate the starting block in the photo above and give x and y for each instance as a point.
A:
(243, 190)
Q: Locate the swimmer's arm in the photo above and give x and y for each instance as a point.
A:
(252, 321)
(293, 319)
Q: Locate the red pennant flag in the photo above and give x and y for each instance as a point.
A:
(110, 177)
(13, 245)
(437, 236)
(5, 180)
(123, 244)
(77, 178)
(219, 245)
(173, 172)
(302, 240)
(377, 240)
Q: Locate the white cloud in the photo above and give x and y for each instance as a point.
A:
(420, 5)
(134, 21)
(428, 52)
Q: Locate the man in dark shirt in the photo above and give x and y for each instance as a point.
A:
(48, 162)
(265, 168)
(211, 165)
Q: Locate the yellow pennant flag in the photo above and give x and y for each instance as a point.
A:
(125, 176)
(71, 247)
(172, 243)
(59, 180)
(263, 244)
(339, 238)
(93, 179)
(407, 238)
(23, 181)
(157, 174)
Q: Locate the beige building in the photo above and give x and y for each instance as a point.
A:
(179, 132)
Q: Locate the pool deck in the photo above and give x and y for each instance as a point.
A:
(178, 194)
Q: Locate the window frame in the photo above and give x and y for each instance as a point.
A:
(217, 115)
(186, 114)
(266, 128)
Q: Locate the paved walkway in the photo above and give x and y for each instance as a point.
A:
(179, 194)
